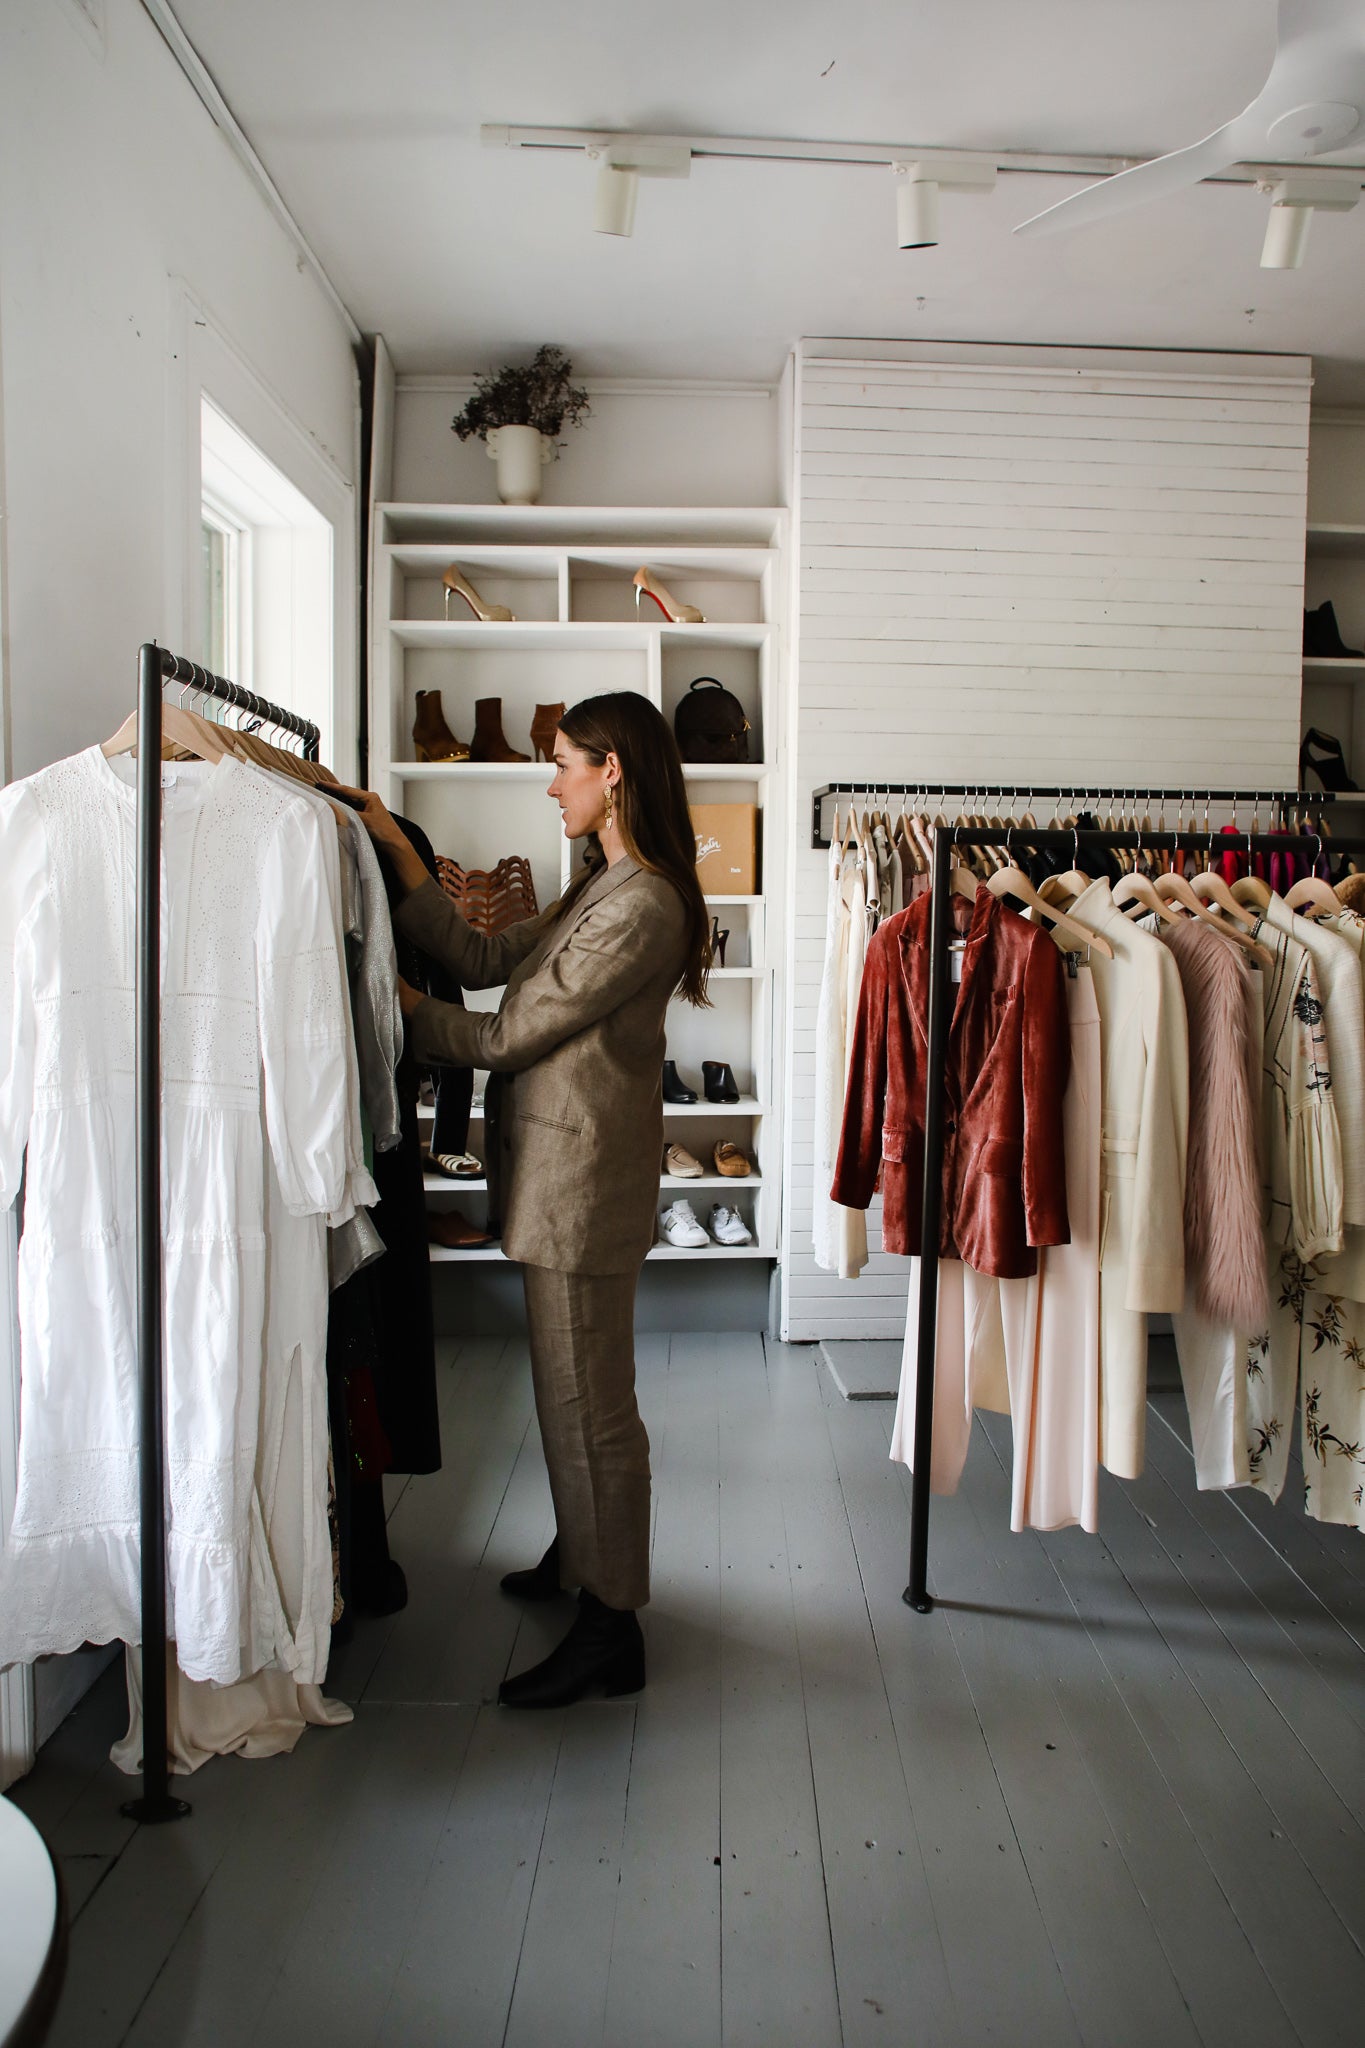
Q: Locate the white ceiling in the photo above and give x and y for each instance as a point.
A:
(368, 119)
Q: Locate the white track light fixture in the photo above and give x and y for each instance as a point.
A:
(622, 163)
(613, 211)
(917, 189)
(1293, 202)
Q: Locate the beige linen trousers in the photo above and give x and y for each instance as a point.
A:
(574, 1134)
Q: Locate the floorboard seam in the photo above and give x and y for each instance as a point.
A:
(531, 1890)
(810, 1751)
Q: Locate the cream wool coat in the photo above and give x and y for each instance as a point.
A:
(1144, 1095)
(576, 1050)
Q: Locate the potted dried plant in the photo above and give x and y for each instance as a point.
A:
(519, 414)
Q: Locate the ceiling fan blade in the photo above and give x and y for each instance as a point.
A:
(1134, 187)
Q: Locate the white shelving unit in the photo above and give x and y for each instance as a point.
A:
(566, 574)
(1332, 696)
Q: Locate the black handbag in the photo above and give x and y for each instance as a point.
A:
(710, 724)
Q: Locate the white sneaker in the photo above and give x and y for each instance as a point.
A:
(728, 1226)
(679, 1226)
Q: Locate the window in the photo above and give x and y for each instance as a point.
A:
(265, 598)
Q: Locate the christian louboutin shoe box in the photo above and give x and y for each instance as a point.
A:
(727, 848)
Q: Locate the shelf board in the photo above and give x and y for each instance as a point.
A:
(523, 636)
(492, 1254)
(725, 771)
(583, 526)
(735, 973)
(750, 901)
(748, 1105)
(679, 1183)
(441, 1184)
(1335, 664)
(1325, 541)
(471, 771)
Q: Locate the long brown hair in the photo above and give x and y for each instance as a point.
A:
(651, 811)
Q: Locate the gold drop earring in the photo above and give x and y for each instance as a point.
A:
(611, 809)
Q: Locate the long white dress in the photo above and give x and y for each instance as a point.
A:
(254, 1081)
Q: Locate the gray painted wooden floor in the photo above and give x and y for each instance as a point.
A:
(1111, 1792)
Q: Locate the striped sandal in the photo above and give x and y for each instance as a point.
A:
(453, 1165)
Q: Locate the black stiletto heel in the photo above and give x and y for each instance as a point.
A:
(1329, 762)
(718, 939)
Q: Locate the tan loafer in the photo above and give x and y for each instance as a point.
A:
(678, 1162)
(731, 1161)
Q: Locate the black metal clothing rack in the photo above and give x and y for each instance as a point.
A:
(1072, 839)
(1282, 801)
(156, 668)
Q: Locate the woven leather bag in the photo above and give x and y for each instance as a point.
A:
(709, 723)
(490, 899)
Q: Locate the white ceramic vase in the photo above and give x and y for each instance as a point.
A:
(520, 453)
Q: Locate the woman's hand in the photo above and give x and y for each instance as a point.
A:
(377, 819)
(389, 836)
(408, 998)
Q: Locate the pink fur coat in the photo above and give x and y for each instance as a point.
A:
(1224, 1236)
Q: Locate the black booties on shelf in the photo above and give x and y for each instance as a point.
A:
(1322, 636)
(676, 1090)
(1322, 752)
(538, 1581)
(603, 1651)
(718, 1081)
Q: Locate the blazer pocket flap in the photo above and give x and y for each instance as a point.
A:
(1002, 1155)
(901, 1147)
(551, 1123)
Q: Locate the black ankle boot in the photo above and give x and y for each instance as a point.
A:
(539, 1581)
(676, 1089)
(604, 1650)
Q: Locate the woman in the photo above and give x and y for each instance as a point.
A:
(574, 1134)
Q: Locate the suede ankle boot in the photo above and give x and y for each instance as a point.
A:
(603, 1651)
(489, 743)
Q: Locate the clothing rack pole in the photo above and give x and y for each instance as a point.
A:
(1280, 799)
(916, 1593)
(156, 667)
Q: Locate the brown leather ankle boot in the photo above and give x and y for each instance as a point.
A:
(488, 743)
(432, 738)
(544, 726)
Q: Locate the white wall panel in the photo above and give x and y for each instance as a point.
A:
(1056, 564)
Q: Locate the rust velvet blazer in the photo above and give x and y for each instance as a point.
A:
(1009, 1055)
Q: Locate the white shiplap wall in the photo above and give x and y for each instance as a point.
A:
(1066, 565)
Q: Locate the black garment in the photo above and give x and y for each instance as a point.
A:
(405, 1364)
(1098, 862)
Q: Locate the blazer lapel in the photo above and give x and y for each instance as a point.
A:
(601, 885)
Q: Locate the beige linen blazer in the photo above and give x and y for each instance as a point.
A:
(574, 1111)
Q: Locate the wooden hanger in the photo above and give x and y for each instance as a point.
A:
(1012, 881)
(1142, 893)
(1176, 889)
(1312, 897)
(1251, 890)
(1211, 888)
(179, 728)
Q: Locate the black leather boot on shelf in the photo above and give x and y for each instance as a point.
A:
(538, 1581)
(604, 1652)
(718, 1081)
(1322, 753)
(1322, 637)
(674, 1089)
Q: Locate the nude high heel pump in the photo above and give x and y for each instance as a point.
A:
(432, 738)
(647, 585)
(491, 614)
(544, 726)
